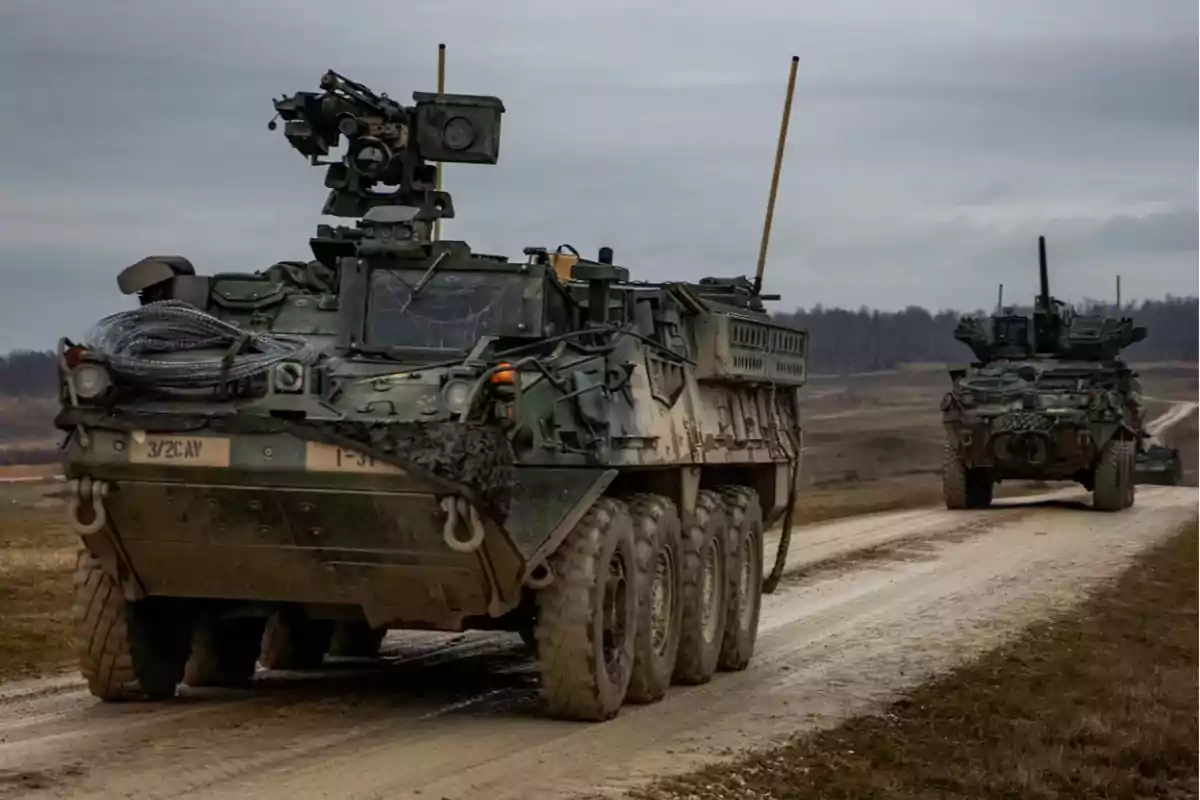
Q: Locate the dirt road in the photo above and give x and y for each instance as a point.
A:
(1177, 413)
(455, 716)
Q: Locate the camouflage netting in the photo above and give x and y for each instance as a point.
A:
(478, 457)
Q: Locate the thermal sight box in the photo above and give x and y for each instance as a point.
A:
(462, 128)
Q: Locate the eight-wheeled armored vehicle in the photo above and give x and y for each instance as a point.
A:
(403, 433)
(1048, 398)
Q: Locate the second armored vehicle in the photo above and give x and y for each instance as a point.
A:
(1048, 398)
(404, 433)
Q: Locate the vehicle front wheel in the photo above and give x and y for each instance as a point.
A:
(127, 650)
(1114, 477)
(962, 487)
(587, 617)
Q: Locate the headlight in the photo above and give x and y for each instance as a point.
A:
(967, 399)
(455, 395)
(91, 381)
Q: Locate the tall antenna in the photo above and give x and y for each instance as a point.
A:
(1043, 276)
(1000, 300)
(437, 223)
(783, 129)
(1118, 294)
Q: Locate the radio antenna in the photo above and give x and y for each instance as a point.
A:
(441, 75)
(783, 129)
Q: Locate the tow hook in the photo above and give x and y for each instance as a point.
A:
(79, 492)
(457, 508)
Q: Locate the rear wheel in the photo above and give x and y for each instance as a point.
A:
(293, 640)
(1113, 486)
(705, 588)
(587, 617)
(744, 601)
(126, 650)
(354, 638)
(224, 651)
(656, 530)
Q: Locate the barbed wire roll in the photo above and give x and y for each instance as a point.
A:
(129, 340)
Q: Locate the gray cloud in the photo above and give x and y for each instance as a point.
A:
(931, 141)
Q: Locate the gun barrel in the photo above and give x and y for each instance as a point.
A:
(1043, 275)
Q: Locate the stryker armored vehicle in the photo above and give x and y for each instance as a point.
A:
(1048, 398)
(406, 434)
(1159, 464)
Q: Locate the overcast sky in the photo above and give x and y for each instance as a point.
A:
(931, 140)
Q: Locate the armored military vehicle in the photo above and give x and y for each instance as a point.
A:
(403, 433)
(1159, 464)
(1048, 398)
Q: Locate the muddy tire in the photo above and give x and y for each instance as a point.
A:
(657, 532)
(705, 587)
(1114, 477)
(587, 618)
(354, 638)
(744, 596)
(961, 487)
(224, 652)
(126, 651)
(294, 641)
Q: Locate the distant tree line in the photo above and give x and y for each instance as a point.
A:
(840, 340)
(27, 373)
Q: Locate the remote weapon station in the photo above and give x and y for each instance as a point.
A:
(405, 434)
(1047, 399)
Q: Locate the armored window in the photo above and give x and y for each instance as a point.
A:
(450, 312)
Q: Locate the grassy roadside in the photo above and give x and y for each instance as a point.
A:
(37, 555)
(1099, 704)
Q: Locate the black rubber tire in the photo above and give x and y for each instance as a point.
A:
(963, 488)
(126, 651)
(700, 649)
(743, 603)
(294, 641)
(1114, 474)
(954, 478)
(224, 651)
(354, 638)
(657, 531)
(577, 682)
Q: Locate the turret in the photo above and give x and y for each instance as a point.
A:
(1058, 332)
(388, 147)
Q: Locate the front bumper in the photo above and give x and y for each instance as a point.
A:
(1024, 445)
(275, 517)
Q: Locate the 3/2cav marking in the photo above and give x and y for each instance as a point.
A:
(175, 449)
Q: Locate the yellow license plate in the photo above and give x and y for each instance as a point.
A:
(321, 457)
(187, 451)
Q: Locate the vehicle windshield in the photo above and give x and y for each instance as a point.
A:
(450, 312)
